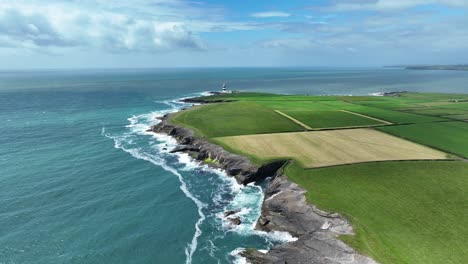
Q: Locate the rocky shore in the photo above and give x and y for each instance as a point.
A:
(284, 207)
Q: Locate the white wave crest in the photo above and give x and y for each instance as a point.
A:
(247, 198)
(238, 258)
(137, 153)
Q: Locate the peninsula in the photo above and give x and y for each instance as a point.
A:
(357, 179)
(456, 67)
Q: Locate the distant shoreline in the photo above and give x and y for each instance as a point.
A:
(461, 67)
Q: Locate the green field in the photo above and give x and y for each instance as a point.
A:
(447, 136)
(396, 117)
(296, 105)
(463, 117)
(331, 119)
(236, 118)
(439, 111)
(330, 147)
(402, 212)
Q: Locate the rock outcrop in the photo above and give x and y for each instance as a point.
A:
(235, 165)
(284, 207)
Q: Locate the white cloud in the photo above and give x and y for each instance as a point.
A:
(390, 5)
(30, 25)
(270, 14)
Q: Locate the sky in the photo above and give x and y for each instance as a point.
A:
(241, 33)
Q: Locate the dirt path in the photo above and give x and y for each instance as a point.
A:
(376, 119)
(294, 120)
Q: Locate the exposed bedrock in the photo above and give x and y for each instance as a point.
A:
(284, 207)
(235, 165)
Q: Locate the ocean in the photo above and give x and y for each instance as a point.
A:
(81, 181)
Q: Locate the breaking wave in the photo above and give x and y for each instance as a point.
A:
(220, 194)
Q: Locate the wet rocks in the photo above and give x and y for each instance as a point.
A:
(235, 221)
(285, 209)
(184, 148)
(235, 165)
(231, 212)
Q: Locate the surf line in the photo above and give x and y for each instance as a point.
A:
(159, 161)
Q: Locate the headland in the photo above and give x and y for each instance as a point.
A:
(335, 181)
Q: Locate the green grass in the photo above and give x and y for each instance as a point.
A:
(249, 96)
(439, 111)
(402, 212)
(235, 118)
(447, 136)
(296, 105)
(463, 117)
(463, 106)
(390, 104)
(331, 119)
(396, 117)
(241, 96)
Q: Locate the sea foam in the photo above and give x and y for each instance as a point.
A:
(246, 198)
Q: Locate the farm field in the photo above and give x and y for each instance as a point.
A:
(328, 148)
(402, 212)
(439, 111)
(402, 185)
(463, 117)
(297, 105)
(448, 136)
(396, 117)
(236, 118)
(331, 119)
(460, 105)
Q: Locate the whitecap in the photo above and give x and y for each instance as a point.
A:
(247, 198)
(238, 258)
(137, 153)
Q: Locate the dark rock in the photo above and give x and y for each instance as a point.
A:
(235, 165)
(231, 212)
(184, 148)
(263, 221)
(235, 221)
(284, 207)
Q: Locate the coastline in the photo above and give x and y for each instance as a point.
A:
(284, 207)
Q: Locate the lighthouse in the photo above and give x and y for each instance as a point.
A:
(224, 87)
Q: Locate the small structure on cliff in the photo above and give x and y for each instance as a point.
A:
(224, 88)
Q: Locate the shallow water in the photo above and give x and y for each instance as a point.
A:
(82, 182)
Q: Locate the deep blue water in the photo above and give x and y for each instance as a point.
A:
(82, 182)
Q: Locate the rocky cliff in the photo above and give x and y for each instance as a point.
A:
(284, 208)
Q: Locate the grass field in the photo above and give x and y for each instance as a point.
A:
(402, 212)
(463, 117)
(236, 118)
(448, 136)
(396, 117)
(297, 105)
(328, 148)
(461, 105)
(439, 111)
(331, 119)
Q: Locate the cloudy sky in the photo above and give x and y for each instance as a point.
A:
(192, 33)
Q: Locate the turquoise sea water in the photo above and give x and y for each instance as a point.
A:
(82, 182)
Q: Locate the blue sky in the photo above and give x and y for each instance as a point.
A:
(209, 33)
